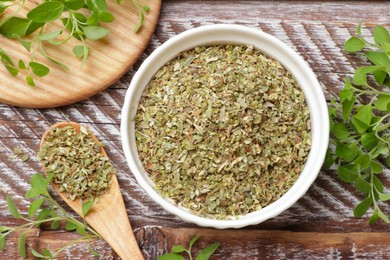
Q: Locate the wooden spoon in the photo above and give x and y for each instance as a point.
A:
(108, 217)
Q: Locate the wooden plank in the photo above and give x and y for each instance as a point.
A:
(264, 244)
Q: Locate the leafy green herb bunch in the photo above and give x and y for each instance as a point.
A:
(44, 209)
(79, 19)
(360, 123)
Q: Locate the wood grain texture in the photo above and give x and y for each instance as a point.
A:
(108, 60)
(319, 226)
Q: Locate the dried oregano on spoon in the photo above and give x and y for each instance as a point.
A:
(79, 19)
(78, 167)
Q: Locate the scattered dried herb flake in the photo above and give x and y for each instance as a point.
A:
(223, 130)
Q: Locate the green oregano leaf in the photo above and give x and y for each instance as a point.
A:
(101, 5)
(55, 225)
(50, 35)
(362, 207)
(95, 32)
(373, 218)
(12, 70)
(36, 254)
(43, 214)
(34, 207)
(384, 196)
(78, 51)
(369, 141)
(32, 193)
(380, 76)
(345, 94)
(348, 173)
(347, 107)
(378, 58)
(381, 149)
(4, 57)
(193, 241)
(22, 65)
(178, 249)
(347, 152)
(14, 26)
(4, 229)
(39, 69)
(70, 226)
(12, 207)
(354, 44)
(381, 35)
(360, 76)
(46, 12)
(86, 207)
(74, 4)
(340, 131)
(22, 246)
(382, 102)
(362, 185)
(2, 242)
(375, 167)
(46, 252)
(377, 184)
(386, 48)
(106, 17)
(362, 119)
(81, 231)
(30, 80)
(205, 253)
(383, 217)
(363, 161)
(38, 182)
(32, 27)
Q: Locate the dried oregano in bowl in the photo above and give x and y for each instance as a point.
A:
(223, 130)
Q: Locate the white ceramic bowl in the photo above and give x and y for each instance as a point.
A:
(269, 45)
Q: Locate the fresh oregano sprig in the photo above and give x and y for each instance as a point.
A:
(360, 123)
(80, 19)
(44, 209)
(177, 251)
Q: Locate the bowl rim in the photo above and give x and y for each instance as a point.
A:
(219, 34)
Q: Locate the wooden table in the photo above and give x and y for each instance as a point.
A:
(320, 225)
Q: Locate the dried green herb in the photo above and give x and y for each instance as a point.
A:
(19, 153)
(76, 162)
(223, 130)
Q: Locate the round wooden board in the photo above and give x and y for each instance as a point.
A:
(109, 59)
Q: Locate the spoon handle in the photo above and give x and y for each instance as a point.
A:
(111, 222)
